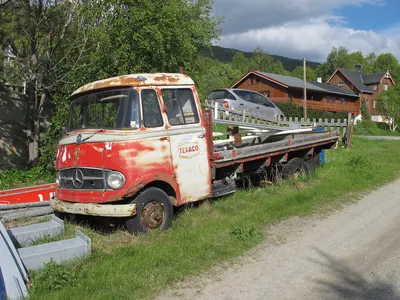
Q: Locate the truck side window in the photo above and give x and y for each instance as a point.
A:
(181, 107)
(151, 109)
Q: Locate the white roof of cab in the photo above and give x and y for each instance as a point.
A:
(146, 79)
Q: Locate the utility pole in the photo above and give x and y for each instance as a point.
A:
(305, 90)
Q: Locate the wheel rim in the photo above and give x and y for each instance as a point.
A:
(153, 215)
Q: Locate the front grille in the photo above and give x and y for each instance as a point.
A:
(82, 179)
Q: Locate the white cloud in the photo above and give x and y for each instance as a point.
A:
(300, 28)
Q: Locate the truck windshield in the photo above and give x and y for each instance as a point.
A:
(112, 109)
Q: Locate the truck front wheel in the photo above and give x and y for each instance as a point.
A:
(153, 211)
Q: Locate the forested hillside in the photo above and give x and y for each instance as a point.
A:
(226, 55)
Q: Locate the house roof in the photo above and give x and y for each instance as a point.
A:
(356, 79)
(373, 78)
(290, 81)
(335, 89)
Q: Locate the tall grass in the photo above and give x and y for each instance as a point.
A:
(123, 266)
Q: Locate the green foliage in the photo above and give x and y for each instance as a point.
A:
(374, 128)
(386, 62)
(323, 71)
(310, 73)
(388, 104)
(15, 178)
(366, 115)
(341, 58)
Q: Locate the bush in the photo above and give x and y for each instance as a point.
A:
(291, 110)
(366, 115)
(15, 178)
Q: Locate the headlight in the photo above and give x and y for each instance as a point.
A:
(58, 178)
(115, 180)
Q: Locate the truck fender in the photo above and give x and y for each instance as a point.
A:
(156, 180)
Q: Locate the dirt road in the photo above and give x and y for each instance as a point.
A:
(353, 253)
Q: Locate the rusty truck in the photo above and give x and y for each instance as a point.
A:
(139, 145)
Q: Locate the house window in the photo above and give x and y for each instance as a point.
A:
(257, 79)
(328, 99)
(341, 84)
(385, 87)
(342, 100)
(374, 104)
(251, 80)
(375, 87)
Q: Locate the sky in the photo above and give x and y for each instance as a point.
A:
(310, 28)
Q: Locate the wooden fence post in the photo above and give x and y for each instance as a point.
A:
(349, 138)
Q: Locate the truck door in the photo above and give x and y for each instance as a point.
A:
(188, 144)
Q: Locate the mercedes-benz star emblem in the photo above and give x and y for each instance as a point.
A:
(77, 178)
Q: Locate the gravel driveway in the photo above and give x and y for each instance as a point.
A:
(353, 253)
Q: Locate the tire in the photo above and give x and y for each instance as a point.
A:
(153, 211)
(294, 167)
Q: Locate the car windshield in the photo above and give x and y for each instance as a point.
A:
(112, 109)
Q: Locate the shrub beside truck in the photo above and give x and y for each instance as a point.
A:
(139, 145)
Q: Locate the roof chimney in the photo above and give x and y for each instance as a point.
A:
(319, 79)
(357, 68)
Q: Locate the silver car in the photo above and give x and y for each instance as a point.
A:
(239, 99)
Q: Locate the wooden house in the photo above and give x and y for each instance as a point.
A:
(367, 86)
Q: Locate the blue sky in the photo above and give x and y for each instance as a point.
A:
(310, 28)
(372, 17)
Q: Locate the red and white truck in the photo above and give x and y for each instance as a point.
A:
(139, 145)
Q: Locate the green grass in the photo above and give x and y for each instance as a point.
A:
(374, 128)
(123, 266)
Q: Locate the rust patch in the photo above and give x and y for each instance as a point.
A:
(132, 80)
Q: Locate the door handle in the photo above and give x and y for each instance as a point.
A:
(257, 107)
(241, 104)
(201, 136)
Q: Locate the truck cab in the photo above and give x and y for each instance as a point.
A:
(136, 145)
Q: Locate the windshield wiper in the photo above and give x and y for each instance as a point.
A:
(79, 139)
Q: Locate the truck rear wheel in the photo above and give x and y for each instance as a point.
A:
(153, 211)
(294, 168)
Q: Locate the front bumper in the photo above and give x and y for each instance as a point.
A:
(94, 209)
